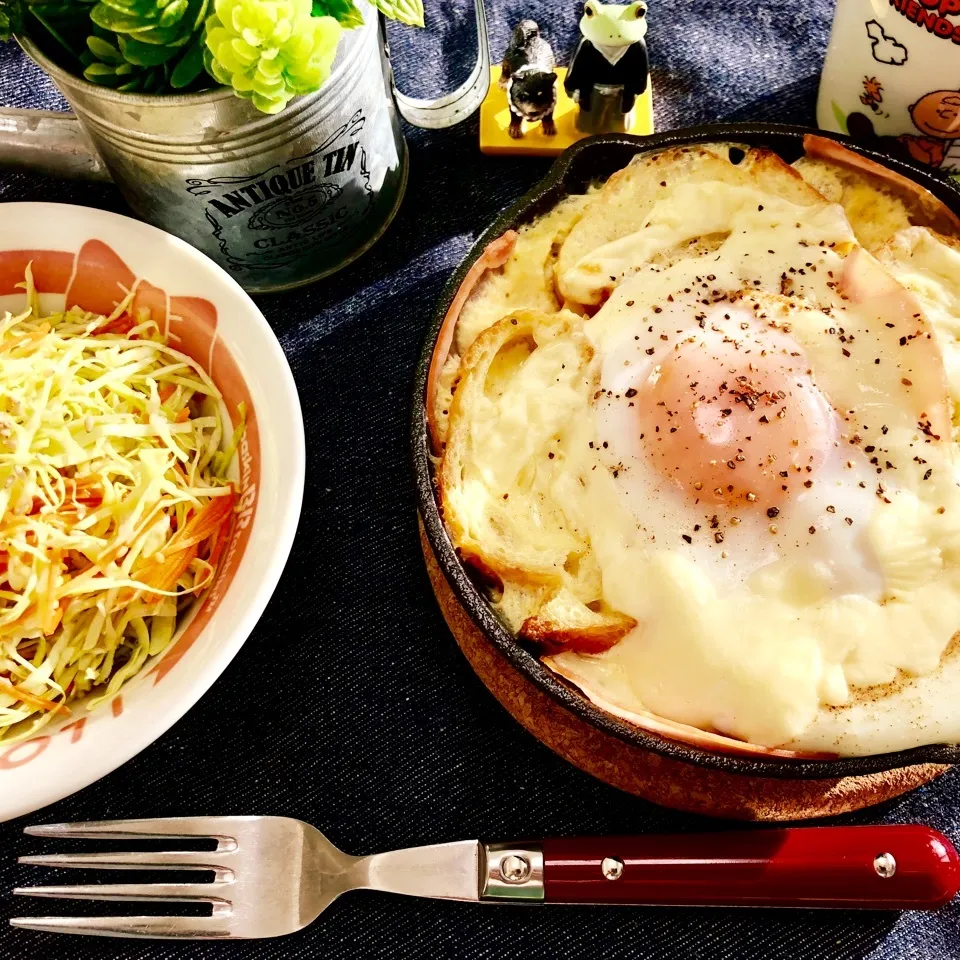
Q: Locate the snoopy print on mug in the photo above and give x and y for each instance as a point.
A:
(892, 78)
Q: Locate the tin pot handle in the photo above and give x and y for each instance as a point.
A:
(48, 142)
(461, 103)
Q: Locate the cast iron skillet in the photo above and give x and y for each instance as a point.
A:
(588, 161)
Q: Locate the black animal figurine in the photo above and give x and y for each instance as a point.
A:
(609, 67)
(528, 76)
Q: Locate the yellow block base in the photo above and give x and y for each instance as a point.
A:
(495, 119)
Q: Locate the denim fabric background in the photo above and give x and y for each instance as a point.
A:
(350, 705)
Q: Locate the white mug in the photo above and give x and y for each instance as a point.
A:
(892, 78)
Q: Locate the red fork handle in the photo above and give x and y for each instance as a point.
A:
(881, 867)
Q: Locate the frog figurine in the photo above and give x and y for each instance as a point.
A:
(609, 69)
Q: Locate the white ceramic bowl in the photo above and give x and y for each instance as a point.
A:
(88, 257)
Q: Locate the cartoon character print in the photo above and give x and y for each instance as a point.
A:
(937, 116)
(872, 95)
(886, 49)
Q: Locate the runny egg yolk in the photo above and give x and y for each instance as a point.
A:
(732, 416)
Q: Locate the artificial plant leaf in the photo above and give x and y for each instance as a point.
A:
(104, 50)
(406, 11)
(102, 74)
(344, 11)
(145, 54)
(129, 8)
(11, 18)
(173, 12)
(174, 36)
(190, 66)
(110, 19)
(201, 13)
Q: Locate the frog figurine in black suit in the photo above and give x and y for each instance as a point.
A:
(609, 67)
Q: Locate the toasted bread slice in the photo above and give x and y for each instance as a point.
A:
(444, 386)
(525, 281)
(515, 272)
(923, 208)
(565, 623)
(480, 472)
(625, 201)
(874, 210)
(442, 372)
(520, 387)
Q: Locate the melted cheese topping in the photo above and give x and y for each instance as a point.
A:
(790, 649)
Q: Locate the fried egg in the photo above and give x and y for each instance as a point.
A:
(721, 443)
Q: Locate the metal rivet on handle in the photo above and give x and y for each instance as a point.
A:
(515, 869)
(612, 868)
(885, 865)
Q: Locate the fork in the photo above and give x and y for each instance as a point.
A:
(274, 875)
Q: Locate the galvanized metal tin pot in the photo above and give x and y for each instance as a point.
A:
(278, 201)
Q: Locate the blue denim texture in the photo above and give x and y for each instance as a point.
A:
(350, 706)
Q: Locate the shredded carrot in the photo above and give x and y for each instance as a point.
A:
(27, 340)
(183, 416)
(86, 490)
(123, 324)
(205, 523)
(166, 392)
(31, 699)
(217, 543)
(184, 545)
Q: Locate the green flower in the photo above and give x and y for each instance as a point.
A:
(270, 50)
(346, 12)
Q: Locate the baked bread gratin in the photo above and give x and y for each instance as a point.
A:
(695, 433)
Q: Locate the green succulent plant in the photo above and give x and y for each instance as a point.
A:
(268, 51)
(109, 62)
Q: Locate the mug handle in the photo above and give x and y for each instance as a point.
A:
(461, 103)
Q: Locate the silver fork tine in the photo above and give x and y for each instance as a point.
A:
(172, 860)
(174, 892)
(272, 876)
(200, 928)
(180, 827)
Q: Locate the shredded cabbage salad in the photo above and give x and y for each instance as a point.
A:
(114, 497)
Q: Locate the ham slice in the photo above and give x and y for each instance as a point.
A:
(893, 312)
(934, 213)
(495, 255)
(680, 732)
